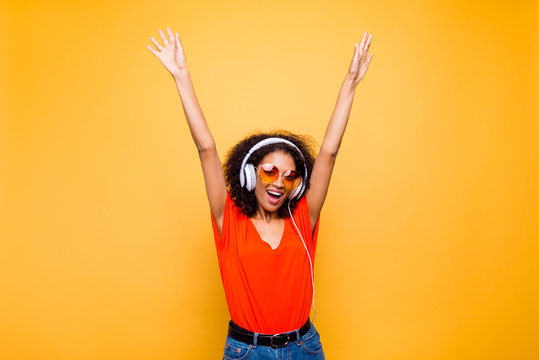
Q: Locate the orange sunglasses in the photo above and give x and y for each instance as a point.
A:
(270, 173)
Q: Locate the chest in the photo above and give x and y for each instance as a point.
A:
(271, 233)
(275, 251)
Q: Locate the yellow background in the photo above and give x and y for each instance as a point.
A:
(428, 244)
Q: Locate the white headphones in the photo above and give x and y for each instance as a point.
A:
(248, 171)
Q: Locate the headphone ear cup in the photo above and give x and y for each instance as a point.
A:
(293, 194)
(250, 177)
(242, 177)
(297, 191)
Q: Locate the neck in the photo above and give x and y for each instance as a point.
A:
(265, 215)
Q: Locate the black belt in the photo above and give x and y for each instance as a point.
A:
(275, 340)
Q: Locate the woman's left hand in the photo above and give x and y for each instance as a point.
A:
(360, 61)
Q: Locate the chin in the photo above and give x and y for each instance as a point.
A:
(268, 205)
(272, 207)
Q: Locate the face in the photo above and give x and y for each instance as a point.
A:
(271, 196)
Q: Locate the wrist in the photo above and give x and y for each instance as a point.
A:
(180, 74)
(350, 80)
(349, 84)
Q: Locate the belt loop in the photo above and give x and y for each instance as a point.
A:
(297, 335)
(255, 340)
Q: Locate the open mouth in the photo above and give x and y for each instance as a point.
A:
(274, 196)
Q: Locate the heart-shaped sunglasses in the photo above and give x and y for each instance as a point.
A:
(269, 173)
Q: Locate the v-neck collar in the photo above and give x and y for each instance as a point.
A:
(278, 248)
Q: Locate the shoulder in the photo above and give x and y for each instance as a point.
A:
(233, 224)
(302, 215)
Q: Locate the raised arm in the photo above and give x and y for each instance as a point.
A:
(323, 166)
(172, 57)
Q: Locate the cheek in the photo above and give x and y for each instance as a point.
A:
(260, 189)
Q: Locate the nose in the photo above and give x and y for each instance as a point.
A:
(279, 182)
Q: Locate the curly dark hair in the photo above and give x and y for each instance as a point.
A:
(246, 200)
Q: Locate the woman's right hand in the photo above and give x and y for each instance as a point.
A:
(171, 55)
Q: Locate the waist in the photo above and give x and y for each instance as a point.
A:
(274, 340)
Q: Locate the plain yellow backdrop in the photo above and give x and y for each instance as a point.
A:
(428, 245)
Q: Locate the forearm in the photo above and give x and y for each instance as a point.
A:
(339, 118)
(195, 118)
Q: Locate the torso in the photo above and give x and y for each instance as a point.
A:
(265, 269)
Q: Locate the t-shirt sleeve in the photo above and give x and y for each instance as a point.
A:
(228, 217)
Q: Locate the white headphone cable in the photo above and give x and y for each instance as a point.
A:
(308, 255)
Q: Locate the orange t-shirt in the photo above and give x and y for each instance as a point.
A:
(267, 291)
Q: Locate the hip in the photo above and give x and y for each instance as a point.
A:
(307, 347)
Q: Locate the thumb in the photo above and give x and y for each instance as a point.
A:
(178, 39)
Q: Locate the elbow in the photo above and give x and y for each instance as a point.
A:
(329, 151)
(206, 147)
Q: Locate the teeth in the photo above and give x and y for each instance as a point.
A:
(274, 193)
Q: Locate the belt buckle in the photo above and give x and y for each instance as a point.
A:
(280, 345)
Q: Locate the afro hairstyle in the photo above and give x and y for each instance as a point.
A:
(246, 200)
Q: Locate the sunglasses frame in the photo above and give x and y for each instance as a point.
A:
(281, 176)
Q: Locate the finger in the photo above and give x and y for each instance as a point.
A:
(152, 50)
(362, 45)
(179, 42)
(354, 57)
(180, 47)
(369, 58)
(170, 35)
(163, 37)
(368, 44)
(156, 43)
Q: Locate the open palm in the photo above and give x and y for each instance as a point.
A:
(171, 54)
(360, 61)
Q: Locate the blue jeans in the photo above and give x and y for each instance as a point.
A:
(306, 347)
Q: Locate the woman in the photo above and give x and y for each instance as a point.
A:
(265, 210)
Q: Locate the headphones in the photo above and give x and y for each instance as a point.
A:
(248, 171)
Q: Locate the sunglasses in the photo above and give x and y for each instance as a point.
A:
(270, 173)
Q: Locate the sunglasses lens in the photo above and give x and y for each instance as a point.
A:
(269, 173)
(291, 179)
